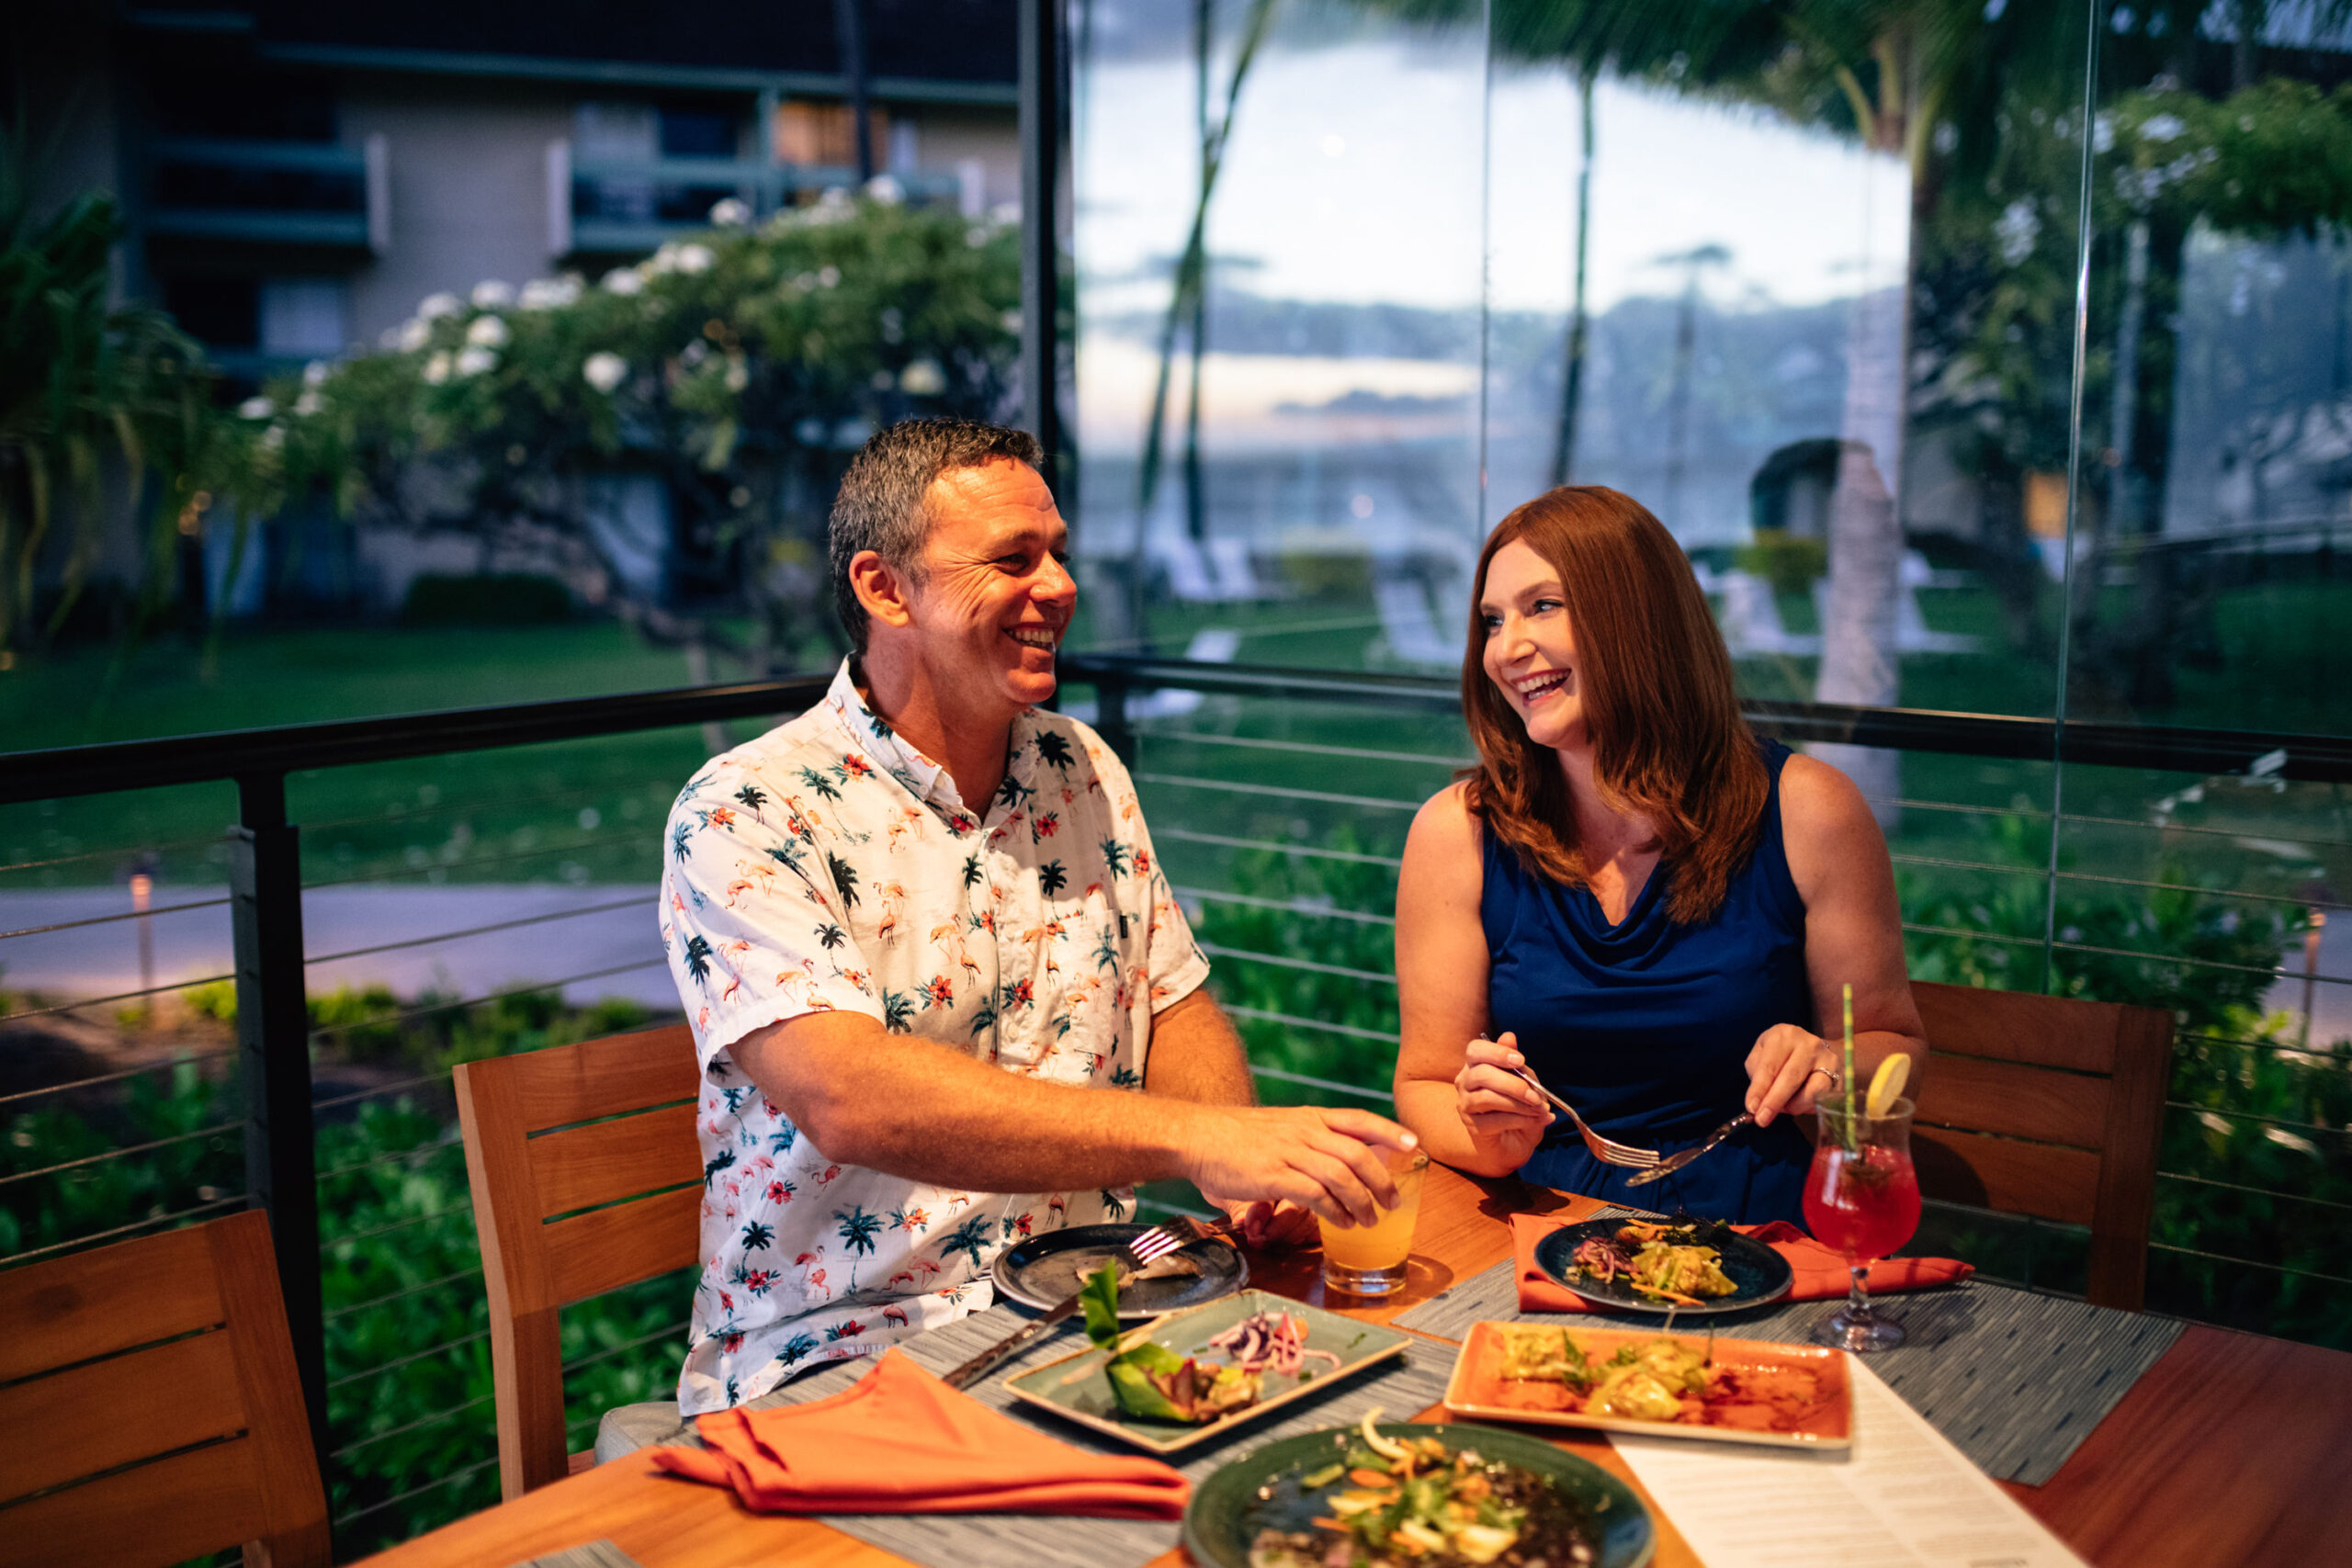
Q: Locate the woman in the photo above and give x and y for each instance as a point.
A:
(1630, 895)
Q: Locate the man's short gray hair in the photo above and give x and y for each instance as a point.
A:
(881, 505)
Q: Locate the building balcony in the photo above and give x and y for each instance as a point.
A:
(275, 193)
(614, 206)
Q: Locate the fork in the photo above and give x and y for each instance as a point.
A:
(1675, 1162)
(1175, 1234)
(1608, 1151)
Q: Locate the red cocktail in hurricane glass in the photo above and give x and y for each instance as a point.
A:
(1862, 1197)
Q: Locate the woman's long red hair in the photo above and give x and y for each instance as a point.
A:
(1669, 740)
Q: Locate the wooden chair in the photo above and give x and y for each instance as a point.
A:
(152, 1407)
(2047, 1106)
(586, 1177)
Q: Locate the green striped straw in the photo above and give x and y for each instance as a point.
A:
(1853, 1129)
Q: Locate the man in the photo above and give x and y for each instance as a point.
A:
(929, 957)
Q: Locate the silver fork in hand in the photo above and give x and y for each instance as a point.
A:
(1608, 1151)
(1176, 1234)
(1675, 1162)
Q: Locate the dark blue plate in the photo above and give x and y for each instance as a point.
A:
(1761, 1274)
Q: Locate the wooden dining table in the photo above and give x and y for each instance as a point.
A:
(2232, 1448)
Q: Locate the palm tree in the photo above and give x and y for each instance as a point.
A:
(757, 1236)
(699, 958)
(1052, 877)
(898, 1010)
(858, 1230)
(968, 1238)
(1054, 750)
(845, 879)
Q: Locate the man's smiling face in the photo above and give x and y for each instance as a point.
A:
(996, 595)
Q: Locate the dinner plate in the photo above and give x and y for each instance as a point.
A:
(1075, 1387)
(1761, 1274)
(1047, 1270)
(1477, 1387)
(1261, 1491)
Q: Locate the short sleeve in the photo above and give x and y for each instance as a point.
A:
(752, 917)
(1175, 964)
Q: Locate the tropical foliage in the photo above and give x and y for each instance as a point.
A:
(103, 407)
(733, 371)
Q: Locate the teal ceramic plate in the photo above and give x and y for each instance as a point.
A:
(1260, 1491)
(1759, 1274)
(1077, 1388)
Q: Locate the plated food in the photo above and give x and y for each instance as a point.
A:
(1688, 1267)
(1048, 1270)
(1691, 1386)
(1154, 1383)
(1182, 1378)
(1417, 1500)
(1386, 1495)
(1664, 1263)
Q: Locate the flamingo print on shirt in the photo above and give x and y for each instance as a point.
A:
(829, 865)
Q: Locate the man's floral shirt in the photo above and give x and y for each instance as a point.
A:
(829, 864)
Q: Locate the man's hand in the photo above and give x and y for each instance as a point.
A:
(1269, 1226)
(1325, 1161)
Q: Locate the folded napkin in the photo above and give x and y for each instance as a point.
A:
(900, 1441)
(1820, 1272)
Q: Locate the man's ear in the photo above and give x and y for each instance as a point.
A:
(888, 596)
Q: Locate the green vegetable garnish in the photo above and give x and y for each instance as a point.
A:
(1323, 1477)
(1148, 1379)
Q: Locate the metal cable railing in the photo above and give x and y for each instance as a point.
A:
(1331, 889)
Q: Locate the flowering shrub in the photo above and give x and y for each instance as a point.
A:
(739, 367)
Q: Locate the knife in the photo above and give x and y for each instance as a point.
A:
(1012, 1344)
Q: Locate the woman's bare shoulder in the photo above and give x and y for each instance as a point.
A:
(1823, 814)
(1444, 847)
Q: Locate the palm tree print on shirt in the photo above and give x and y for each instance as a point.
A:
(858, 1229)
(969, 1238)
(808, 882)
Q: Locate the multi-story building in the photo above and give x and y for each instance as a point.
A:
(295, 177)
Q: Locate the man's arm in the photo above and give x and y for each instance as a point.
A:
(1195, 1056)
(918, 1109)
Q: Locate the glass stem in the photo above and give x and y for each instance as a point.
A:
(1858, 1299)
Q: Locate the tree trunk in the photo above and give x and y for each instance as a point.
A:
(1857, 652)
(1563, 452)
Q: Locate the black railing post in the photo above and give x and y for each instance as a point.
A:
(1041, 120)
(274, 1048)
(1111, 714)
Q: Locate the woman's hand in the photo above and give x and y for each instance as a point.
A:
(1788, 1069)
(1498, 1107)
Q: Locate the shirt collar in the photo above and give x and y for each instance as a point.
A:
(927, 781)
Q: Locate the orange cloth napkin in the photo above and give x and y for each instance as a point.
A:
(900, 1441)
(1820, 1273)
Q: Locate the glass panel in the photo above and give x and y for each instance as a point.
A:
(1280, 425)
(2210, 518)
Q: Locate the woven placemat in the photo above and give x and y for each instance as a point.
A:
(595, 1554)
(2016, 1379)
(1403, 1388)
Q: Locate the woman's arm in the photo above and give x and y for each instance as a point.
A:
(1451, 1086)
(1853, 935)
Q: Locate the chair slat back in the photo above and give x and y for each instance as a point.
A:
(155, 1411)
(586, 1177)
(2047, 1106)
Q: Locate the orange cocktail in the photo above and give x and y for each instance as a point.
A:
(1369, 1261)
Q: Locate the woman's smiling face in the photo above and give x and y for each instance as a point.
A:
(1531, 650)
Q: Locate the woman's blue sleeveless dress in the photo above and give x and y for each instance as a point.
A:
(1645, 1026)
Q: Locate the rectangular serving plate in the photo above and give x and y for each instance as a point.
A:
(1076, 1388)
(1476, 1389)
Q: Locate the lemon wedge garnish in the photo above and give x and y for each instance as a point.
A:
(1886, 1086)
